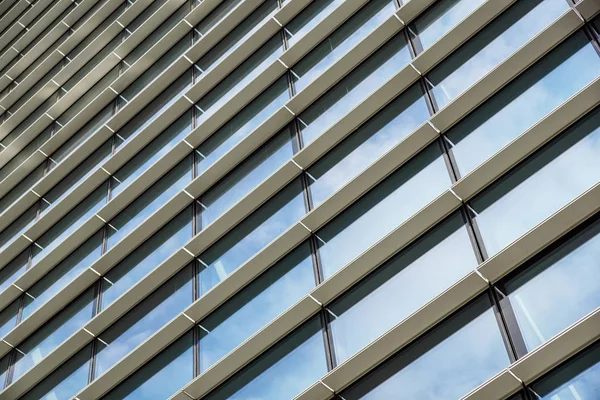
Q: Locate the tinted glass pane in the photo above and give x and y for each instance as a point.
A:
(171, 298)
(13, 270)
(284, 371)
(354, 88)
(578, 379)
(60, 276)
(383, 209)
(8, 318)
(367, 144)
(251, 235)
(541, 185)
(53, 333)
(441, 18)
(147, 257)
(551, 81)
(447, 363)
(246, 176)
(309, 18)
(162, 376)
(152, 153)
(66, 381)
(493, 45)
(150, 201)
(243, 123)
(341, 40)
(559, 289)
(256, 305)
(401, 286)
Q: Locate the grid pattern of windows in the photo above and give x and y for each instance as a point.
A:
(299, 199)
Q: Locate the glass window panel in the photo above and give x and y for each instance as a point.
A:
(401, 286)
(559, 289)
(555, 78)
(151, 200)
(162, 376)
(341, 41)
(310, 17)
(446, 363)
(540, 186)
(243, 123)
(578, 379)
(354, 88)
(66, 381)
(251, 235)
(256, 305)
(70, 222)
(171, 298)
(8, 317)
(246, 176)
(501, 38)
(156, 107)
(237, 36)
(150, 154)
(147, 257)
(3, 370)
(441, 18)
(60, 276)
(47, 338)
(369, 142)
(383, 209)
(284, 371)
(242, 75)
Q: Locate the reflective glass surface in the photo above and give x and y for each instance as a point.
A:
(559, 289)
(495, 43)
(446, 363)
(551, 81)
(541, 185)
(401, 286)
(390, 203)
(284, 371)
(354, 88)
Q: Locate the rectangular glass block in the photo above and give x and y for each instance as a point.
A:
(447, 362)
(147, 257)
(150, 201)
(160, 378)
(557, 290)
(243, 123)
(441, 18)
(354, 88)
(365, 145)
(540, 186)
(524, 102)
(284, 371)
(401, 286)
(251, 235)
(246, 176)
(145, 319)
(344, 38)
(256, 305)
(577, 379)
(382, 209)
(490, 47)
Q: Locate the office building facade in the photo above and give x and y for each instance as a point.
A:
(296, 199)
